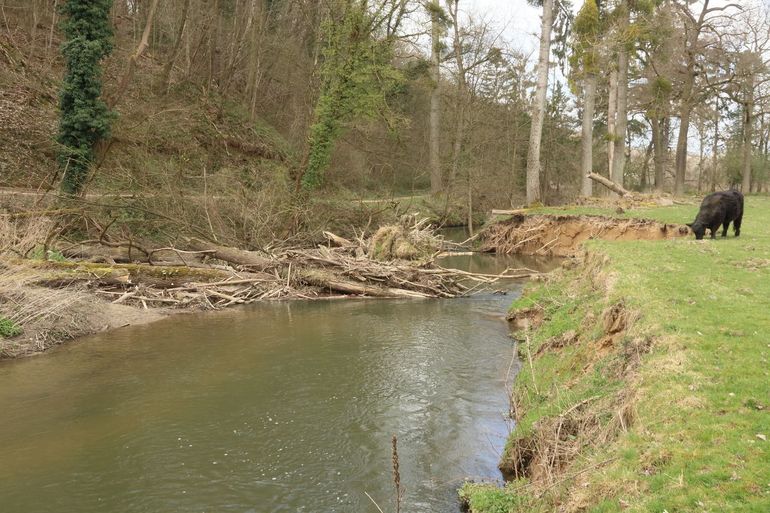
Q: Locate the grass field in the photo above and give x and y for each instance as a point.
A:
(672, 414)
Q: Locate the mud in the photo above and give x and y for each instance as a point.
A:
(563, 235)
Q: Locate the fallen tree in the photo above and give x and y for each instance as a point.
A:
(614, 187)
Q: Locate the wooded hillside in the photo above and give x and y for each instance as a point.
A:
(237, 116)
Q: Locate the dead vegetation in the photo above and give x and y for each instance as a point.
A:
(49, 283)
(410, 239)
(563, 235)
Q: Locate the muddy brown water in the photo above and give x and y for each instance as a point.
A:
(279, 407)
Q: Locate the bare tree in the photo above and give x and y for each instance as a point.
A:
(538, 108)
(436, 17)
(696, 27)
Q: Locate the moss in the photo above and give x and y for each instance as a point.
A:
(58, 270)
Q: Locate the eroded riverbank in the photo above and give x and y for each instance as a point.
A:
(642, 384)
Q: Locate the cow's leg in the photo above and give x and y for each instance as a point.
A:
(714, 229)
(725, 225)
(737, 225)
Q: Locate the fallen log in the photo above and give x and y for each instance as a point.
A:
(232, 255)
(336, 240)
(502, 212)
(614, 187)
(323, 280)
(51, 273)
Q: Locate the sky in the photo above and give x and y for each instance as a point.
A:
(519, 21)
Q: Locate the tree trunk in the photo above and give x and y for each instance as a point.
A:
(612, 108)
(748, 123)
(165, 81)
(538, 114)
(715, 148)
(470, 203)
(232, 255)
(681, 150)
(461, 99)
(619, 154)
(644, 181)
(702, 134)
(589, 96)
(436, 184)
(659, 155)
(134, 59)
(614, 187)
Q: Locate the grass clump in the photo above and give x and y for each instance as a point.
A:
(8, 328)
(659, 402)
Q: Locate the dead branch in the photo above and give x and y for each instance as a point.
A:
(608, 183)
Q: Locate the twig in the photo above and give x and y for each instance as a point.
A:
(373, 502)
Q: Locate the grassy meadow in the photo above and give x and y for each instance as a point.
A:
(664, 410)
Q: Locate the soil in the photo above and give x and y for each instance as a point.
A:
(563, 235)
(74, 313)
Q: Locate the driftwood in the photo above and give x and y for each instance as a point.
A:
(336, 240)
(608, 184)
(324, 281)
(500, 212)
(207, 275)
(235, 256)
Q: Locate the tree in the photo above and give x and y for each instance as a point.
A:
(750, 72)
(656, 62)
(356, 78)
(694, 82)
(584, 64)
(618, 137)
(84, 117)
(437, 23)
(538, 109)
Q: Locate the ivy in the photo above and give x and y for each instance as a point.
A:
(84, 117)
(357, 79)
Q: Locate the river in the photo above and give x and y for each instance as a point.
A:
(275, 407)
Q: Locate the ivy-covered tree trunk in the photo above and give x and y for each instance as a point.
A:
(84, 118)
(357, 77)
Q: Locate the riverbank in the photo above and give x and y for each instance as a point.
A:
(645, 387)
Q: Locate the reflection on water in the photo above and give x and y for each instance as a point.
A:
(276, 407)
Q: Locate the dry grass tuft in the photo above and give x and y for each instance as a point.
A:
(21, 234)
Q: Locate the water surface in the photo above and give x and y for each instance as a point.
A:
(274, 407)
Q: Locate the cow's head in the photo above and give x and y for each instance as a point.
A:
(698, 228)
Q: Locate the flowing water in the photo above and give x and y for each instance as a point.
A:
(276, 407)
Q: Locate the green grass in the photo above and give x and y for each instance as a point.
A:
(8, 328)
(700, 395)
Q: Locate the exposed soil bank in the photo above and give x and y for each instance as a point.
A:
(54, 316)
(563, 235)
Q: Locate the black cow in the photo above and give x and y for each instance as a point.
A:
(719, 208)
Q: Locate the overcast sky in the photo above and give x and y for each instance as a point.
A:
(519, 21)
